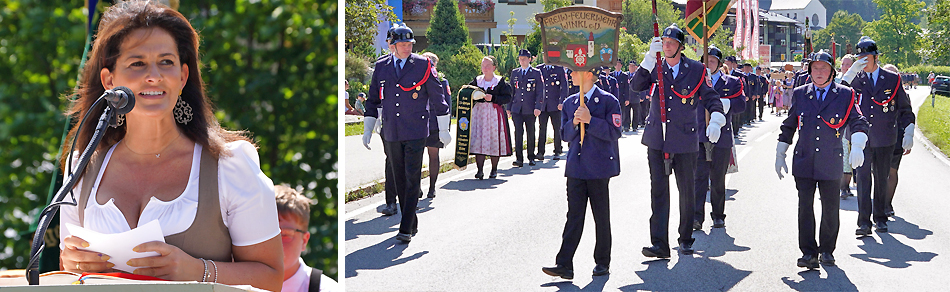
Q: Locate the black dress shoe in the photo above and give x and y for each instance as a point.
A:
(404, 237)
(531, 162)
(539, 158)
(517, 163)
(656, 252)
(808, 261)
(889, 213)
(686, 248)
(479, 175)
(601, 270)
(493, 174)
(697, 225)
(559, 271)
(719, 223)
(880, 227)
(431, 194)
(556, 156)
(827, 259)
(389, 210)
(863, 231)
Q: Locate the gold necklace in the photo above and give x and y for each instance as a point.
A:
(159, 154)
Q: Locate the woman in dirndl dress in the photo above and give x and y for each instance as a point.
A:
(787, 92)
(490, 134)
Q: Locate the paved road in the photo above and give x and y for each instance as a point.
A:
(495, 235)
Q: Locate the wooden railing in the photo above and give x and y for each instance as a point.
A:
(471, 15)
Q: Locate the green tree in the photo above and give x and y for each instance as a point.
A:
(936, 48)
(896, 33)
(846, 29)
(271, 69)
(506, 55)
(362, 20)
(447, 31)
(638, 17)
(631, 47)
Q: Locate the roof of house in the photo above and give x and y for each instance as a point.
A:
(790, 4)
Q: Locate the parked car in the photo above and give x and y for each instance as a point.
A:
(941, 85)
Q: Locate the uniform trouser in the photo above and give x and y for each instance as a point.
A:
(879, 164)
(828, 231)
(714, 173)
(579, 191)
(749, 113)
(389, 184)
(736, 123)
(555, 118)
(406, 165)
(523, 122)
(684, 165)
(761, 105)
(627, 116)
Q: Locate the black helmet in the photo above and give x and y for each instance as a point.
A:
(823, 56)
(389, 34)
(715, 52)
(675, 33)
(866, 46)
(401, 34)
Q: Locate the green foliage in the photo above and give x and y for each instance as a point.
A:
(631, 47)
(362, 19)
(935, 48)
(356, 87)
(924, 70)
(846, 29)
(357, 67)
(447, 31)
(461, 68)
(638, 17)
(896, 33)
(271, 69)
(507, 54)
(934, 122)
(722, 39)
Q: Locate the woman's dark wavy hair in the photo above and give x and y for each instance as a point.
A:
(116, 24)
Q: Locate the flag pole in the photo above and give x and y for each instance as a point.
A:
(667, 162)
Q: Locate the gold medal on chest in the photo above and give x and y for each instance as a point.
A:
(684, 100)
(832, 121)
(415, 95)
(691, 101)
(885, 109)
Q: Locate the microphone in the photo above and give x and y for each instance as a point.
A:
(120, 98)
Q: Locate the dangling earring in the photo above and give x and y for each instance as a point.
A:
(119, 120)
(182, 111)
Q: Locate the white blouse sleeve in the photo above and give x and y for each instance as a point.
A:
(248, 206)
(69, 214)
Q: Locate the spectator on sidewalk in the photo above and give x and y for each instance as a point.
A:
(490, 135)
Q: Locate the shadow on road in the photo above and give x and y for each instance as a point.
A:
(468, 185)
(381, 224)
(849, 204)
(690, 273)
(716, 243)
(913, 231)
(837, 280)
(890, 252)
(379, 256)
(596, 285)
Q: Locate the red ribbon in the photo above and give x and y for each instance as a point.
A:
(846, 114)
(424, 78)
(892, 94)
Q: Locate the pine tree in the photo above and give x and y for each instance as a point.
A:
(447, 32)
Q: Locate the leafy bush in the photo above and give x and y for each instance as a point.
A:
(356, 67)
(924, 71)
(460, 68)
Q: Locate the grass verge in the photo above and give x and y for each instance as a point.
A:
(934, 122)
(353, 129)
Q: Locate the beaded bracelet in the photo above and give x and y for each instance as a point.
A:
(204, 276)
(215, 271)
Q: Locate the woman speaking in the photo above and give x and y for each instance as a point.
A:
(168, 160)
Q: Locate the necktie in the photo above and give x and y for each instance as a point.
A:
(821, 94)
(398, 67)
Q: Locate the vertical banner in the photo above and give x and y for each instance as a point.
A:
(754, 42)
(463, 125)
(740, 29)
(579, 37)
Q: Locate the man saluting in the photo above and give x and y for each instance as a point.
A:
(673, 142)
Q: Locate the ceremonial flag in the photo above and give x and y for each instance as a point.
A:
(716, 11)
(739, 39)
(754, 40)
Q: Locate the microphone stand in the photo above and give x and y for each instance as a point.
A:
(39, 243)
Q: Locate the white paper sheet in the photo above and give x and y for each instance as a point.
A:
(118, 246)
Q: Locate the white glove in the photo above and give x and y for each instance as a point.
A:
(908, 137)
(858, 66)
(716, 121)
(780, 165)
(444, 135)
(858, 142)
(379, 124)
(368, 124)
(725, 105)
(649, 58)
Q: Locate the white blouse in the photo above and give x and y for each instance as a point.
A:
(246, 196)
